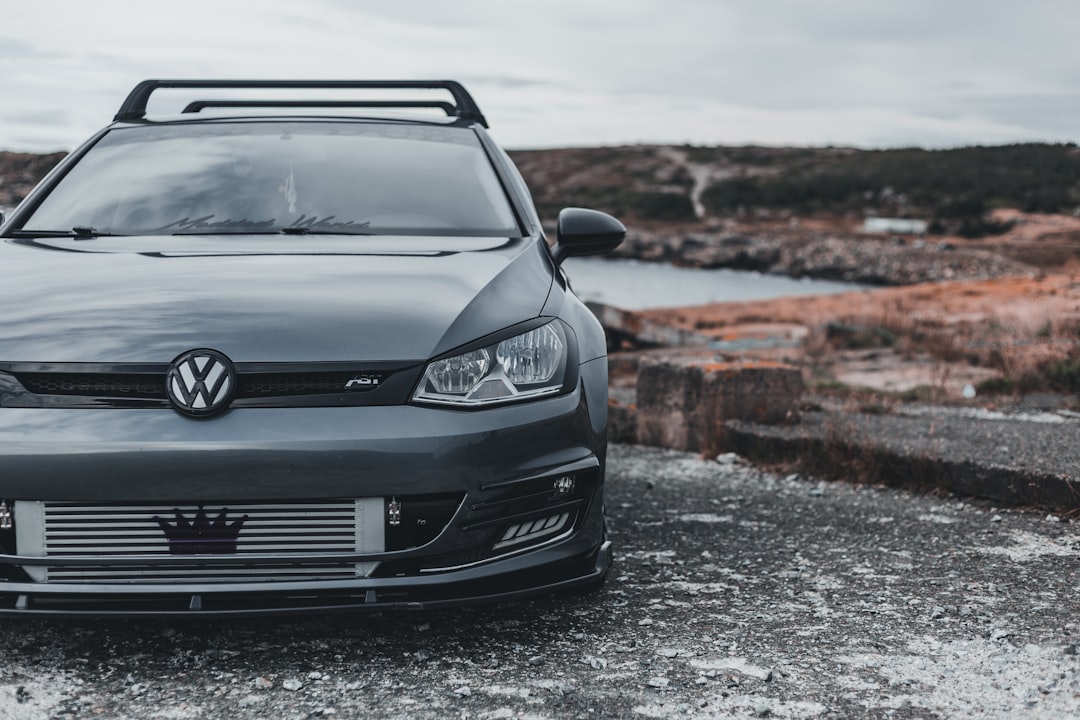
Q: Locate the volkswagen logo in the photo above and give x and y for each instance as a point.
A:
(201, 382)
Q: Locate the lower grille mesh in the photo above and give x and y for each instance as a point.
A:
(79, 530)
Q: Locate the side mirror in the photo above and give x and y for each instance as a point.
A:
(586, 232)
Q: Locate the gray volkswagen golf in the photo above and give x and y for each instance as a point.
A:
(295, 355)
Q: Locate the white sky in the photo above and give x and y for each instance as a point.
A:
(552, 73)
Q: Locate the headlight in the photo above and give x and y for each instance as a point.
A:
(528, 365)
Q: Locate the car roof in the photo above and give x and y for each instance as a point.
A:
(463, 109)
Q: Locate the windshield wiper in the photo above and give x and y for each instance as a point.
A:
(317, 231)
(227, 232)
(329, 225)
(79, 232)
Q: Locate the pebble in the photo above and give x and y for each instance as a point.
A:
(292, 684)
(463, 691)
(536, 660)
(658, 682)
(263, 683)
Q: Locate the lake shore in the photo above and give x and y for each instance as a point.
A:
(998, 314)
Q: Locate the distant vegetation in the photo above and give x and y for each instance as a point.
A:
(952, 189)
(960, 185)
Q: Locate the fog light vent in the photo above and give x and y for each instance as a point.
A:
(531, 531)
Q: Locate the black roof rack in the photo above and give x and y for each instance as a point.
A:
(199, 105)
(134, 106)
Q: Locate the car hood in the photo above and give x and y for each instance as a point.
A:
(259, 300)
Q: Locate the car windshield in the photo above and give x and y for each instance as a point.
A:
(270, 176)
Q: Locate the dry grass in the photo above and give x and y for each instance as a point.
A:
(1031, 352)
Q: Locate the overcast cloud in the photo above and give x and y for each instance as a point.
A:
(561, 72)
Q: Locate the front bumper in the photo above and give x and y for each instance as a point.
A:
(493, 460)
(546, 572)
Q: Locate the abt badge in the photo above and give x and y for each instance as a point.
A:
(363, 382)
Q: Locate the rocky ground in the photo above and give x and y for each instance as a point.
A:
(998, 315)
(736, 593)
(968, 385)
(869, 260)
(933, 338)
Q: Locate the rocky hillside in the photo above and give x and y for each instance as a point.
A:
(952, 190)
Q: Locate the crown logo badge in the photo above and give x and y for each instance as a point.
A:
(200, 535)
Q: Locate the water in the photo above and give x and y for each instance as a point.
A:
(637, 285)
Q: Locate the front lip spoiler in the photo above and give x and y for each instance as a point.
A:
(588, 570)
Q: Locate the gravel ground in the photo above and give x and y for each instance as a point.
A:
(736, 593)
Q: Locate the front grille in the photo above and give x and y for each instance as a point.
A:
(149, 386)
(285, 384)
(81, 530)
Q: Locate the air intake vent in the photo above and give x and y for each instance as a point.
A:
(104, 532)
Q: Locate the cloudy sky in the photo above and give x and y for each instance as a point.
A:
(550, 73)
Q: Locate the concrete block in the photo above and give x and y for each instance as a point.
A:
(684, 404)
